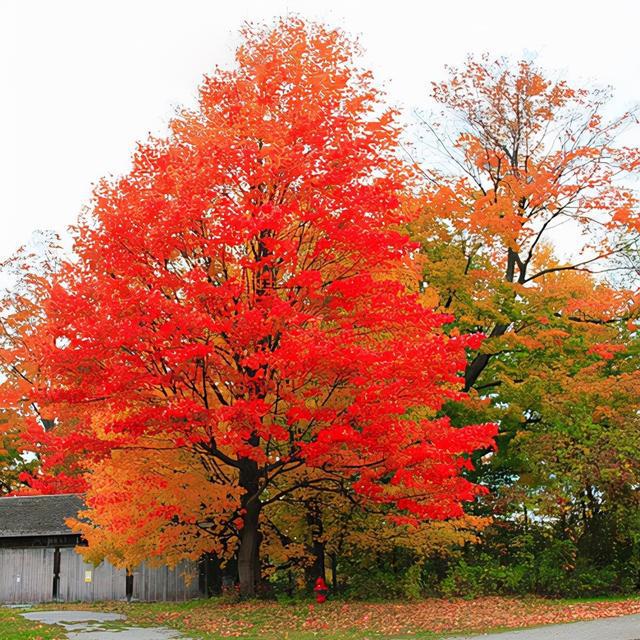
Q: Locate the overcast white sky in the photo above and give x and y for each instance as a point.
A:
(82, 80)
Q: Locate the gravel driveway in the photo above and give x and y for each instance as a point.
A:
(93, 625)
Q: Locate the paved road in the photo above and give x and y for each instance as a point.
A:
(93, 625)
(623, 628)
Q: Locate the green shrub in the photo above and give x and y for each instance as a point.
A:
(486, 576)
(374, 584)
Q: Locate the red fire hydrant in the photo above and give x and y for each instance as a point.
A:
(321, 590)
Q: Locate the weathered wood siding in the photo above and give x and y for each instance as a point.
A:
(26, 575)
(107, 582)
(162, 583)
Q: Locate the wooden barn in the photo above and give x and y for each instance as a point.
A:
(38, 561)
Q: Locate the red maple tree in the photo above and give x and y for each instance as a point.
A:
(244, 295)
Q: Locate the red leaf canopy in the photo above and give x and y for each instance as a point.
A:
(242, 292)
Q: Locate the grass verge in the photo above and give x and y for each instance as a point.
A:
(14, 627)
(338, 620)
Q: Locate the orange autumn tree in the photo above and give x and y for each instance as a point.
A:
(534, 163)
(530, 234)
(179, 515)
(235, 300)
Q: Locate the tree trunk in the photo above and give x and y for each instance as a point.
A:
(316, 529)
(249, 549)
(480, 362)
(334, 572)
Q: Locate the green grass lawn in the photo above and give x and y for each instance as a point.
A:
(14, 627)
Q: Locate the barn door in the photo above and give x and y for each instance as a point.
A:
(56, 574)
(26, 575)
(81, 581)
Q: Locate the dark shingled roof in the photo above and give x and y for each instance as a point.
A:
(37, 515)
